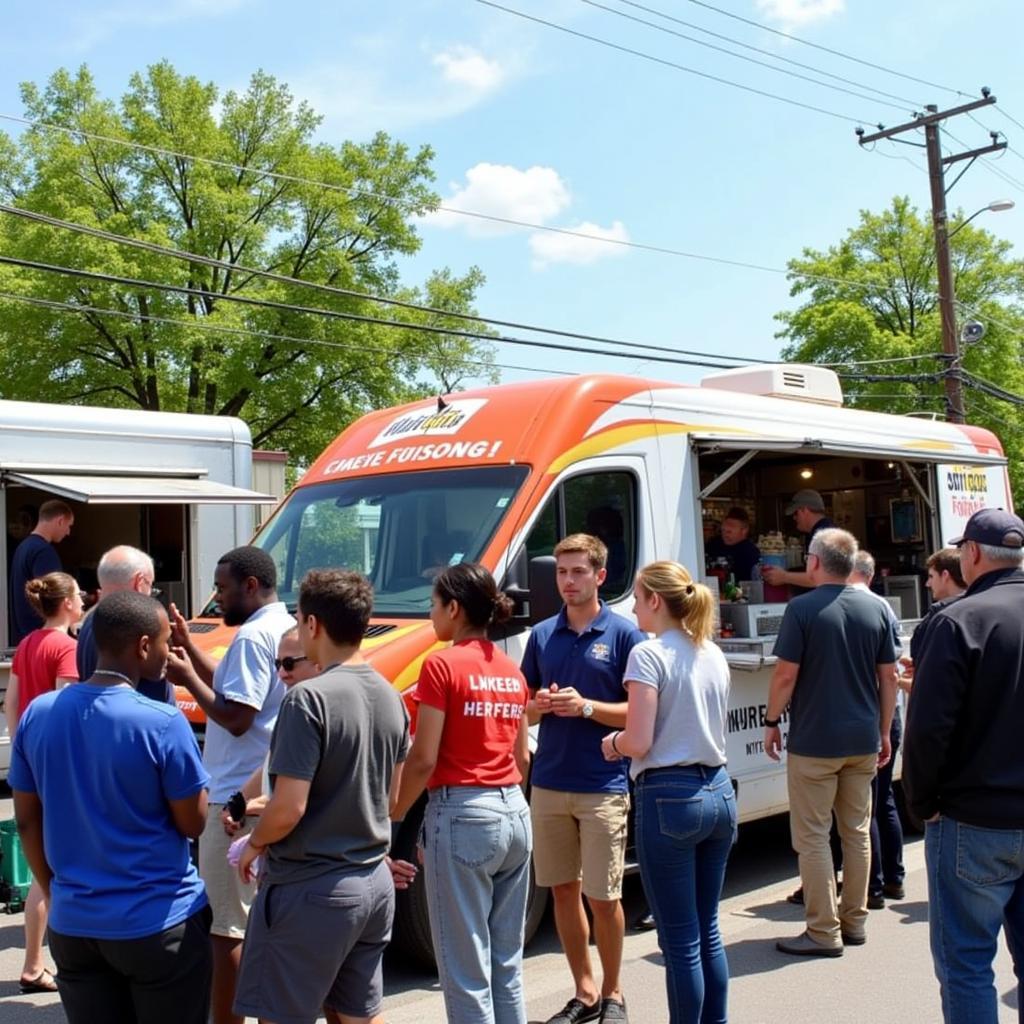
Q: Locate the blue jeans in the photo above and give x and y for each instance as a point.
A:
(685, 828)
(477, 871)
(975, 886)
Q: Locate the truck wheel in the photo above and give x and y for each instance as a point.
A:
(411, 935)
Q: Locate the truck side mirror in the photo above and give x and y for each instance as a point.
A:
(531, 585)
(516, 586)
(544, 599)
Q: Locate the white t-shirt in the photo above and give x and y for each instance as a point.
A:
(246, 674)
(693, 699)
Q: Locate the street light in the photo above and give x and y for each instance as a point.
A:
(996, 206)
(947, 300)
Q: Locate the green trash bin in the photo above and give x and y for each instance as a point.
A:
(14, 869)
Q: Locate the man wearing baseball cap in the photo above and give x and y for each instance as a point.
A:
(963, 767)
(808, 511)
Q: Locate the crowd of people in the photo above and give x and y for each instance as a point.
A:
(309, 763)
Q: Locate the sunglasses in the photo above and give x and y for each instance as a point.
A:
(289, 663)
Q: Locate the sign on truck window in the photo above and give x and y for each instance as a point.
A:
(963, 490)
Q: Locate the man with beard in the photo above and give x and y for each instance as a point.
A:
(240, 698)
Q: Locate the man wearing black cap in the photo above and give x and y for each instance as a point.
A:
(808, 511)
(963, 767)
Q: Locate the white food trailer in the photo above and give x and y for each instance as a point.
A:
(178, 486)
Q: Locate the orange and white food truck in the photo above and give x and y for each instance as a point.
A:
(498, 475)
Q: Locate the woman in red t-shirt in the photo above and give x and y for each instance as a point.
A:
(471, 752)
(43, 661)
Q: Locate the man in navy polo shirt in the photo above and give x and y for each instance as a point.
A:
(574, 665)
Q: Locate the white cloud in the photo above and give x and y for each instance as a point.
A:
(499, 190)
(363, 94)
(797, 13)
(549, 247)
(462, 65)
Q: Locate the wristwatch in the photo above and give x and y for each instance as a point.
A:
(772, 723)
(587, 710)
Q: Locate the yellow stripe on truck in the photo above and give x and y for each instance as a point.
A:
(411, 673)
(614, 437)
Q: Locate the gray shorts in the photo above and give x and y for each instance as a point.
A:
(317, 943)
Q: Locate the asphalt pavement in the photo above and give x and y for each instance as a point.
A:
(887, 981)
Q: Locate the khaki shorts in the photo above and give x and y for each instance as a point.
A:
(229, 897)
(580, 836)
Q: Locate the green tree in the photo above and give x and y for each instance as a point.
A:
(874, 296)
(294, 396)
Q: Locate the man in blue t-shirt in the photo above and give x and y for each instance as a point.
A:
(122, 568)
(35, 556)
(574, 663)
(836, 673)
(108, 789)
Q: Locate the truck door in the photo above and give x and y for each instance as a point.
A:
(608, 501)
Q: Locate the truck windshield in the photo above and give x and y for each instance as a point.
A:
(400, 530)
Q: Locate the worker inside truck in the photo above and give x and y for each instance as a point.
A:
(882, 502)
(160, 530)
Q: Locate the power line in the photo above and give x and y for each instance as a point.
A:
(1015, 428)
(894, 156)
(739, 56)
(133, 282)
(767, 53)
(75, 307)
(495, 338)
(670, 64)
(1009, 117)
(661, 250)
(995, 134)
(989, 165)
(989, 388)
(290, 307)
(889, 359)
(824, 49)
(473, 214)
(207, 260)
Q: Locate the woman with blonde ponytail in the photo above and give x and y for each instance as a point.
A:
(678, 686)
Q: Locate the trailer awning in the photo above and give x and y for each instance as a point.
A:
(913, 450)
(96, 489)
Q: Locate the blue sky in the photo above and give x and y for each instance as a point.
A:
(532, 124)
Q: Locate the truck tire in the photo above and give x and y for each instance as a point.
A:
(411, 933)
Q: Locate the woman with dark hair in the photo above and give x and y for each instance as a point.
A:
(471, 753)
(678, 685)
(43, 661)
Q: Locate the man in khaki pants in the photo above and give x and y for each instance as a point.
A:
(836, 673)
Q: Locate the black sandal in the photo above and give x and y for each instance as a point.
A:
(42, 982)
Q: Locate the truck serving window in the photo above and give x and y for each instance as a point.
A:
(400, 529)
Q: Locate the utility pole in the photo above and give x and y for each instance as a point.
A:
(937, 163)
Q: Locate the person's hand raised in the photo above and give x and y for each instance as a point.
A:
(179, 627)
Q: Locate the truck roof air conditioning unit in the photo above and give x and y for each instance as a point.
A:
(781, 380)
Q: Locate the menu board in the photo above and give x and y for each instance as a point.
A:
(963, 490)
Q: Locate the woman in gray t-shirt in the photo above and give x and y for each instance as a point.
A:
(678, 685)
